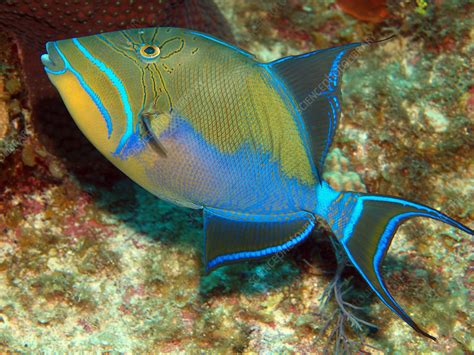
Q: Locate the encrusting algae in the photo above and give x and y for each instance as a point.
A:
(91, 266)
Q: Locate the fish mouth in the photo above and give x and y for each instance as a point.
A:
(52, 60)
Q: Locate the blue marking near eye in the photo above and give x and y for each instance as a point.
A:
(263, 252)
(67, 66)
(117, 83)
(199, 34)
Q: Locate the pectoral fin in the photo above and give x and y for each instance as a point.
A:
(234, 237)
(155, 124)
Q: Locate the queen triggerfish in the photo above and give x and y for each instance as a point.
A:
(203, 124)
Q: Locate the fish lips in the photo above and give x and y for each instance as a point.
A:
(53, 61)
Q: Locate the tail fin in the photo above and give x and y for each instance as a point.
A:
(365, 226)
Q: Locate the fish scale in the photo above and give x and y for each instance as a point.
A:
(230, 93)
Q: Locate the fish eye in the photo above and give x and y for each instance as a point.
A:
(149, 51)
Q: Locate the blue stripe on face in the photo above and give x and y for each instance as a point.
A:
(59, 72)
(67, 66)
(117, 83)
(396, 311)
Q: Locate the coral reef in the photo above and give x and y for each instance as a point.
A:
(101, 265)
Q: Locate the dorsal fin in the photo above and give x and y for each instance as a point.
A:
(314, 81)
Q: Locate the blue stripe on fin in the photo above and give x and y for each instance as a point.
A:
(234, 237)
(366, 227)
(312, 81)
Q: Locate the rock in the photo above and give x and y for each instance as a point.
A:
(4, 117)
(436, 120)
(4, 120)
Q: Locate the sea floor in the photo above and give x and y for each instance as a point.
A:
(98, 264)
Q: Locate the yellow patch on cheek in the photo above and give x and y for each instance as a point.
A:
(91, 122)
(85, 112)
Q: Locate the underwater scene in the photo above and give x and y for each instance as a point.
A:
(236, 176)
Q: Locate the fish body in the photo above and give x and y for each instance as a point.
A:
(203, 124)
(211, 155)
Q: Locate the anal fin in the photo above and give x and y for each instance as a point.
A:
(233, 237)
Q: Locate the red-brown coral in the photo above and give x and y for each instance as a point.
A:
(365, 10)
